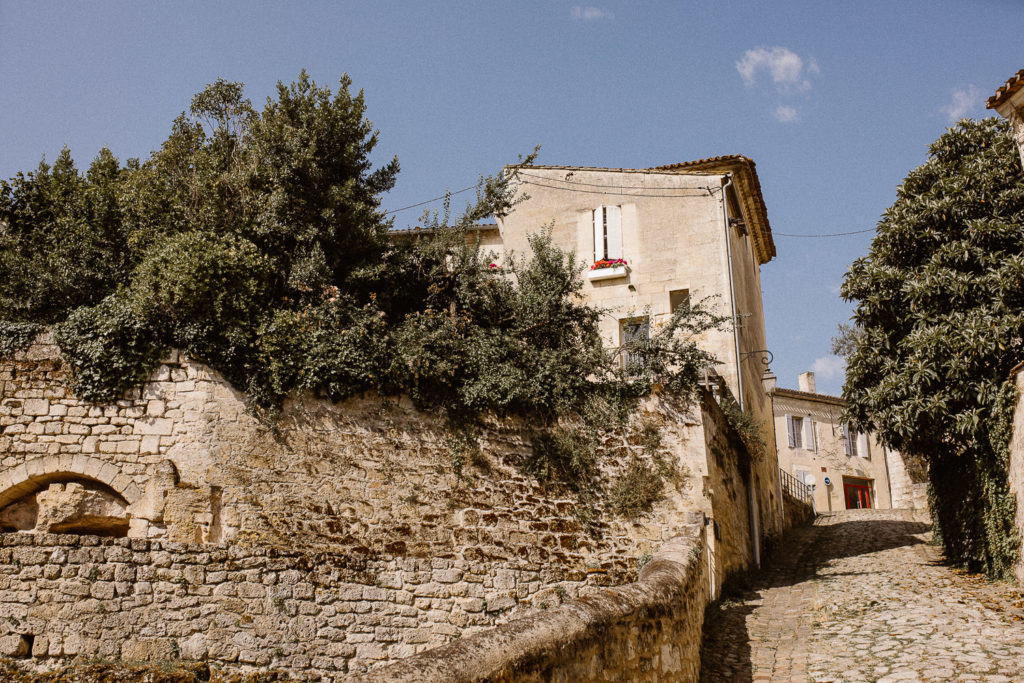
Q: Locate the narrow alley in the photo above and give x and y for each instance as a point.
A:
(862, 596)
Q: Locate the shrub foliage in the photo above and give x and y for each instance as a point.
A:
(939, 324)
(254, 241)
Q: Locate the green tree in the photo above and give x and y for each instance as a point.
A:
(63, 243)
(254, 241)
(939, 324)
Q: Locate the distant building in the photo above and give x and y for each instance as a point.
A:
(848, 469)
(1009, 102)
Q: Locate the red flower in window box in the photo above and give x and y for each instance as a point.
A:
(609, 263)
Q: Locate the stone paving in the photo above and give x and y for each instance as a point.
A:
(862, 596)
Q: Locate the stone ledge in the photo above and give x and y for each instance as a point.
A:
(525, 644)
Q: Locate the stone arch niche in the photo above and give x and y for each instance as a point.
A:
(72, 495)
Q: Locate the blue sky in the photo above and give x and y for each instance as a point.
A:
(834, 101)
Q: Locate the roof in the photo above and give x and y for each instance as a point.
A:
(809, 396)
(1006, 90)
(476, 227)
(744, 170)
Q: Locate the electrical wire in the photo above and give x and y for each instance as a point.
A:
(446, 194)
(613, 186)
(830, 234)
(703, 192)
(624, 192)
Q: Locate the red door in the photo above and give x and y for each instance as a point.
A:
(858, 494)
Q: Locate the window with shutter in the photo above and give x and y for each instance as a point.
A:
(811, 439)
(850, 441)
(607, 233)
(798, 432)
(862, 446)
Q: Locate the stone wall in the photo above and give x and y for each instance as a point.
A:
(337, 538)
(646, 631)
(796, 511)
(909, 484)
(1016, 465)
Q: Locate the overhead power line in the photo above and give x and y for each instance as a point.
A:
(830, 234)
(428, 201)
(678, 192)
(623, 191)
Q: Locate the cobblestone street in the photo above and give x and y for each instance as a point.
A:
(862, 596)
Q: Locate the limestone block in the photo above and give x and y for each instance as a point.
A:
(146, 650)
(14, 646)
(71, 507)
(36, 406)
(154, 426)
(194, 647)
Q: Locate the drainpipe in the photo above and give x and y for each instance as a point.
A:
(732, 288)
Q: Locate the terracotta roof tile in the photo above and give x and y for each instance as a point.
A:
(823, 398)
(1007, 89)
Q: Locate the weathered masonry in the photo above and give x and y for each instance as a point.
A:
(173, 524)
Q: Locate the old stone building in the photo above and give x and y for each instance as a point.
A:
(846, 469)
(652, 239)
(1008, 100)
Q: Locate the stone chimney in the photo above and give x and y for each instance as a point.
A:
(807, 382)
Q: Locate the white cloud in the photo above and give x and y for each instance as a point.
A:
(591, 14)
(786, 68)
(963, 101)
(786, 114)
(829, 367)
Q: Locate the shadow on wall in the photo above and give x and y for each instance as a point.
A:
(726, 653)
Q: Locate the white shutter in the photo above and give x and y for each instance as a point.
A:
(598, 234)
(614, 225)
(862, 446)
(789, 431)
(811, 439)
(848, 440)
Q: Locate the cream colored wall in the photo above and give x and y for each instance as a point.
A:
(1013, 110)
(831, 454)
(673, 237)
(670, 242)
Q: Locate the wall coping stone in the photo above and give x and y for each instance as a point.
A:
(513, 645)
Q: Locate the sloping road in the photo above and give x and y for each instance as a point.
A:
(862, 596)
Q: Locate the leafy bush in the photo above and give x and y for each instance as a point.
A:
(109, 349)
(16, 336)
(939, 324)
(254, 241)
(637, 490)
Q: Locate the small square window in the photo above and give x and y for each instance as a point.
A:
(677, 298)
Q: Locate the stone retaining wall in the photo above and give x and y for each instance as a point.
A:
(649, 630)
(797, 512)
(1016, 465)
(335, 539)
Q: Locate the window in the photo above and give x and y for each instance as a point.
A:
(607, 233)
(811, 435)
(631, 331)
(795, 429)
(856, 443)
(677, 298)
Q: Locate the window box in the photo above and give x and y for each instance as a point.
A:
(608, 273)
